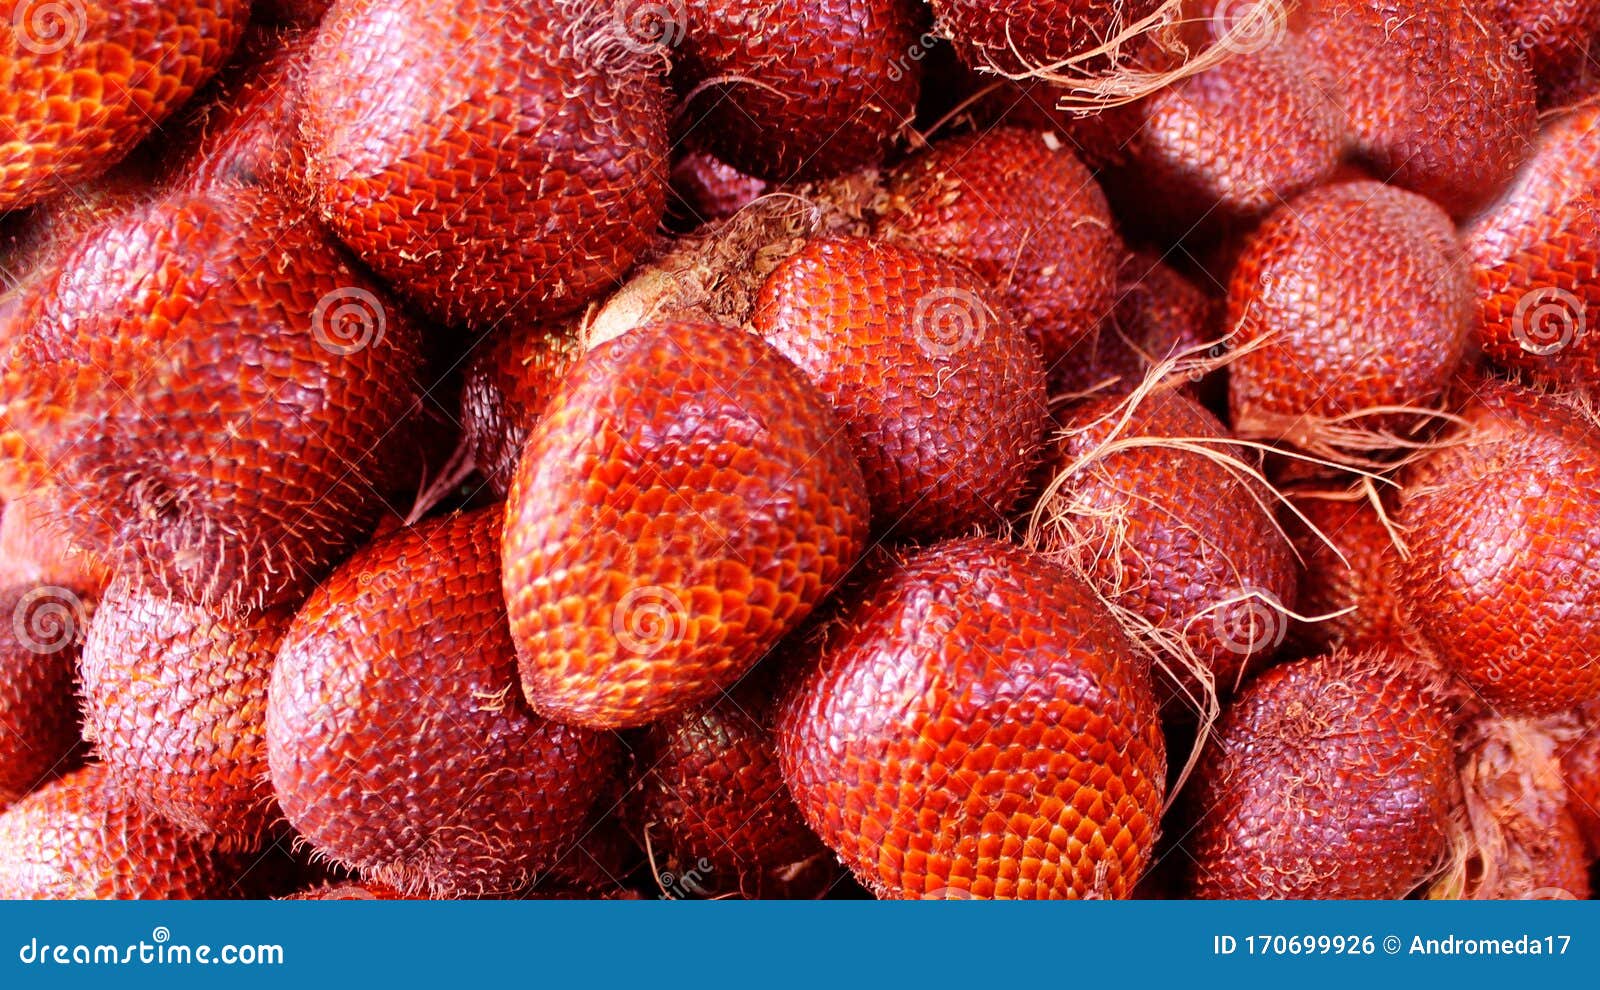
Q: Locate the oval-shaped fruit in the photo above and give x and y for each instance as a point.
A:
(940, 393)
(175, 702)
(41, 632)
(1023, 35)
(1536, 258)
(704, 190)
(397, 741)
(977, 726)
(80, 838)
(1171, 534)
(709, 797)
(83, 82)
(1228, 145)
(791, 90)
(1358, 299)
(508, 382)
(1329, 778)
(686, 500)
(1504, 576)
(1434, 97)
(1356, 591)
(1022, 212)
(1553, 36)
(209, 373)
(517, 177)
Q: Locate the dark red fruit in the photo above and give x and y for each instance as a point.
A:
(397, 740)
(705, 190)
(1024, 214)
(709, 797)
(787, 90)
(82, 839)
(1020, 35)
(1504, 576)
(1553, 36)
(175, 702)
(1536, 258)
(83, 82)
(977, 727)
(1359, 299)
(1356, 590)
(186, 354)
(517, 177)
(41, 632)
(940, 394)
(1163, 529)
(1329, 778)
(686, 500)
(1432, 93)
(1580, 768)
(509, 381)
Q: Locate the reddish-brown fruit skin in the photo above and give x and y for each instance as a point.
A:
(81, 839)
(508, 382)
(686, 500)
(1172, 536)
(940, 394)
(1580, 766)
(1018, 35)
(1329, 778)
(175, 702)
(517, 178)
(1504, 578)
(1536, 259)
(82, 83)
(1363, 298)
(977, 727)
(1554, 37)
(819, 87)
(302, 13)
(1158, 313)
(1357, 592)
(1026, 216)
(704, 190)
(397, 742)
(710, 797)
(1434, 96)
(1231, 144)
(248, 131)
(34, 548)
(184, 353)
(41, 633)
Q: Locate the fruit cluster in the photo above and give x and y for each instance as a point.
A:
(799, 448)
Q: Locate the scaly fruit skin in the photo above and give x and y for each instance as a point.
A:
(1504, 578)
(397, 742)
(1175, 537)
(1362, 298)
(1025, 215)
(185, 352)
(1436, 101)
(175, 702)
(517, 178)
(41, 632)
(1536, 259)
(1158, 313)
(1020, 35)
(81, 839)
(820, 87)
(509, 380)
(1329, 778)
(977, 727)
(705, 190)
(82, 83)
(1554, 37)
(710, 797)
(686, 500)
(1357, 592)
(35, 549)
(940, 393)
(1229, 145)
(249, 131)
